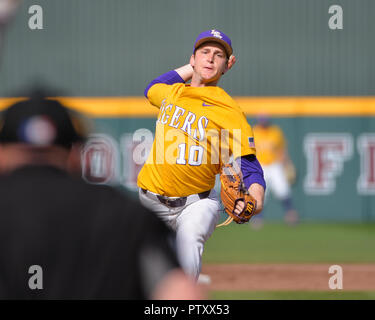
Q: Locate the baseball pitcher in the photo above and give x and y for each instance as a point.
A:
(198, 130)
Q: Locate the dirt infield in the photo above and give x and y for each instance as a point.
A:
(251, 277)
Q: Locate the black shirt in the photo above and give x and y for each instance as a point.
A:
(89, 241)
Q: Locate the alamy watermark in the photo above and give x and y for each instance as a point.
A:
(336, 21)
(36, 18)
(36, 280)
(176, 147)
(336, 281)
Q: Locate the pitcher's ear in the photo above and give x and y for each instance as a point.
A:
(231, 61)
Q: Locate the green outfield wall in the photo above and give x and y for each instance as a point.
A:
(334, 155)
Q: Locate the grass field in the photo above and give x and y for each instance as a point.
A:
(278, 243)
(305, 243)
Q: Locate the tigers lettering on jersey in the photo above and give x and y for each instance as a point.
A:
(170, 114)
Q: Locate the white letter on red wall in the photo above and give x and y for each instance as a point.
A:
(325, 154)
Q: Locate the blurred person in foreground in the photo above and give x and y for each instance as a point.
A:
(279, 171)
(61, 238)
(8, 9)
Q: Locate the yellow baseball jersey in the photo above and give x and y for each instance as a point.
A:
(270, 143)
(198, 129)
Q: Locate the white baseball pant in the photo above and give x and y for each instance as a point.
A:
(276, 180)
(193, 224)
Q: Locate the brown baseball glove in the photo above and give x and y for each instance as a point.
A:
(234, 190)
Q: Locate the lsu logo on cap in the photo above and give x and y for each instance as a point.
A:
(216, 33)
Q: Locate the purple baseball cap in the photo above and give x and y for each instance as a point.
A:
(216, 36)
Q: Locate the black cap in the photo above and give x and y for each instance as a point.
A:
(41, 122)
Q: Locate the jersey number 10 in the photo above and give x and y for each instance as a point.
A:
(195, 155)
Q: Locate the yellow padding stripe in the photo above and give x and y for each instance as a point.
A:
(252, 106)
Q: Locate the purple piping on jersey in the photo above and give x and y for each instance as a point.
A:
(171, 77)
(252, 171)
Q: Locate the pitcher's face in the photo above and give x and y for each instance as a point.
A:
(209, 62)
